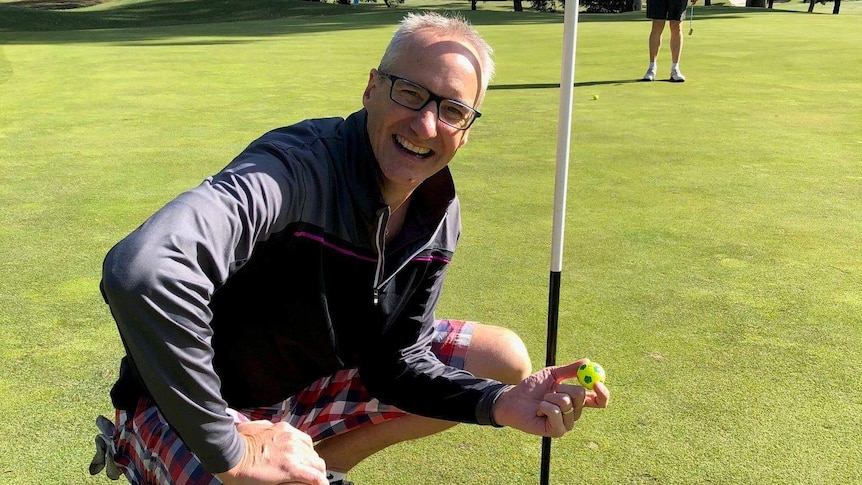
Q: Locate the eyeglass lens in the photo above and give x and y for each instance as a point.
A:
(413, 96)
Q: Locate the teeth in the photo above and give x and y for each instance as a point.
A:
(413, 148)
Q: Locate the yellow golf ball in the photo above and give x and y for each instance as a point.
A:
(589, 373)
(595, 96)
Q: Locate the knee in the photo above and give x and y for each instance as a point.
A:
(498, 353)
(518, 365)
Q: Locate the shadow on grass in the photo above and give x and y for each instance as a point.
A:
(144, 20)
(557, 85)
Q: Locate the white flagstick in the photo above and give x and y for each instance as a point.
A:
(564, 137)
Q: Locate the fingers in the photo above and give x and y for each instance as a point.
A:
(576, 396)
(307, 476)
(566, 372)
(554, 426)
(561, 409)
(566, 406)
(570, 412)
(276, 453)
(284, 427)
(542, 404)
(297, 449)
(254, 426)
(599, 397)
(579, 398)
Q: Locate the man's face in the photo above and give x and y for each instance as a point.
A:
(410, 146)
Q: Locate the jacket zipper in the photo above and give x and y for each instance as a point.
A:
(381, 246)
(381, 240)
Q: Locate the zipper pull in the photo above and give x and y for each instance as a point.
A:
(376, 296)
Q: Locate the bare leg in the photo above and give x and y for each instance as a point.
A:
(495, 353)
(343, 452)
(675, 40)
(655, 39)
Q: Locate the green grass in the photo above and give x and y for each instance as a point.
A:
(711, 263)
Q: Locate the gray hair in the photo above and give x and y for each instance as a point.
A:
(454, 25)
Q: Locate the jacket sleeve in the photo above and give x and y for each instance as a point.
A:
(403, 371)
(158, 282)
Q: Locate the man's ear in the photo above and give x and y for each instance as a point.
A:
(372, 83)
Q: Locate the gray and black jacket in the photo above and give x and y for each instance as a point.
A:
(269, 275)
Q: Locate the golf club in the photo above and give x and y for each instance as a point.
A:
(690, 19)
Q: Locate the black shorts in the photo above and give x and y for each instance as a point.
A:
(666, 9)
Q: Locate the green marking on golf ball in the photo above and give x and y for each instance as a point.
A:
(589, 373)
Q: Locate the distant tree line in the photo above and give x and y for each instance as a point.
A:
(768, 3)
(518, 5)
(835, 8)
(595, 6)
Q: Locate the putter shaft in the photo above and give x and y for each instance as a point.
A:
(690, 20)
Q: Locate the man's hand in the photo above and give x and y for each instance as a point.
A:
(275, 454)
(542, 405)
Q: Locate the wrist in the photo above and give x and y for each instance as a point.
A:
(487, 407)
(230, 475)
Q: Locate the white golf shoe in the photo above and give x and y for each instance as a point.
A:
(676, 76)
(649, 76)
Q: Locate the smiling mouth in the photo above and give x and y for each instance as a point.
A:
(414, 150)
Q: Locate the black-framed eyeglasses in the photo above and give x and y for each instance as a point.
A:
(413, 96)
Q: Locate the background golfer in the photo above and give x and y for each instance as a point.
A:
(661, 12)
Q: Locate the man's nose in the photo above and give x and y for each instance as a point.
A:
(426, 120)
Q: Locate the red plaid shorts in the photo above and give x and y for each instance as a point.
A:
(148, 451)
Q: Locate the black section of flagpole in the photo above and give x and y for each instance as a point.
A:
(550, 360)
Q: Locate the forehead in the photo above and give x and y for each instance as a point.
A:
(443, 63)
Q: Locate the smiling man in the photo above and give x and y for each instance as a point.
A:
(278, 319)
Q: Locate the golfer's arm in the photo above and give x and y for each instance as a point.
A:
(403, 371)
(159, 281)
